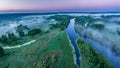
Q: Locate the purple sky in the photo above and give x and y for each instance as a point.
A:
(59, 5)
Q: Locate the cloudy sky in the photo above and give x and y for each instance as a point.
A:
(59, 5)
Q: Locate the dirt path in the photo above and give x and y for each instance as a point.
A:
(18, 46)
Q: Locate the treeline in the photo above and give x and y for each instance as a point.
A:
(21, 28)
(90, 58)
(110, 16)
(34, 32)
(98, 26)
(11, 38)
(63, 21)
(84, 19)
(8, 39)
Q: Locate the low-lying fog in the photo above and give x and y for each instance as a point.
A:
(109, 35)
(32, 21)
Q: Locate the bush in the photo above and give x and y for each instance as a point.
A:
(50, 60)
(34, 32)
(2, 53)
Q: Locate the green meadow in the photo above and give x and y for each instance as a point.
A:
(50, 50)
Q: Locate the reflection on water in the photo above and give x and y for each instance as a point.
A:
(73, 36)
(107, 52)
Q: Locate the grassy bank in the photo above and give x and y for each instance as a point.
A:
(49, 50)
(90, 58)
(61, 44)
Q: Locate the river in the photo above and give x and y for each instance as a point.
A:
(107, 52)
(73, 36)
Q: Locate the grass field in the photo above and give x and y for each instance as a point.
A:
(49, 50)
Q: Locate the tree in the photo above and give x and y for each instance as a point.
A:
(34, 32)
(21, 34)
(12, 37)
(21, 28)
(98, 26)
(9, 38)
(4, 39)
(2, 53)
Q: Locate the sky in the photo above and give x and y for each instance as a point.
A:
(60, 5)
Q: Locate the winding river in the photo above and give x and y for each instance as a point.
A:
(73, 36)
(107, 52)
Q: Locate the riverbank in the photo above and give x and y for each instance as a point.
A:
(73, 36)
(73, 50)
(61, 43)
(90, 58)
(106, 36)
(100, 47)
